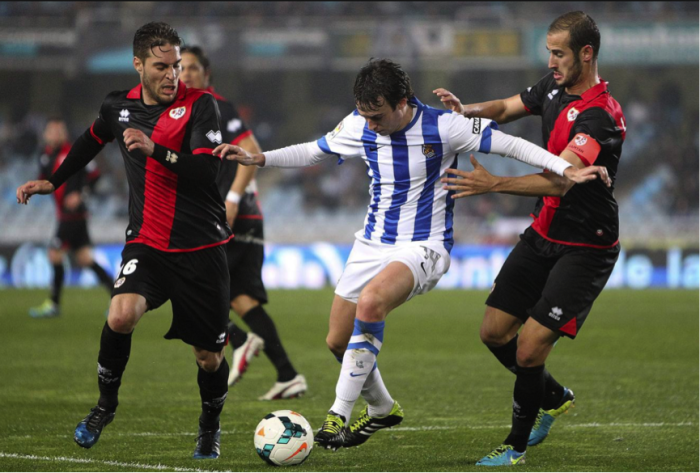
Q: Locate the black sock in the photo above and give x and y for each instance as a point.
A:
(213, 388)
(261, 324)
(506, 354)
(111, 362)
(237, 335)
(553, 391)
(102, 275)
(527, 399)
(58, 275)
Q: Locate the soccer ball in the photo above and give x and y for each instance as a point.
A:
(284, 438)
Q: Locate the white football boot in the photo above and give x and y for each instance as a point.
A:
(295, 387)
(242, 356)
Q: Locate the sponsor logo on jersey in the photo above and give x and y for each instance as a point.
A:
(580, 140)
(124, 116)
(552, 94)
(428, 151)
(599, 232)
(476, 126)
(337, 130)
(556, 313)
(177, 113)
(214, 136)
(171, 157)
(119, 282)
(572, 114)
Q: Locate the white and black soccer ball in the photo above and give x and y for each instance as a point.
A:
(284, 438)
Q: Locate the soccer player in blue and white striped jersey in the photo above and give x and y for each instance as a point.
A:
(404, 248)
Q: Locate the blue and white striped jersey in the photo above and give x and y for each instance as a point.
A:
(408, 202)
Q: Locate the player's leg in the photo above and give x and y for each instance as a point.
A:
(84, 258)
(115, 347)
(51, 306)
(198, 288)
(213, 389)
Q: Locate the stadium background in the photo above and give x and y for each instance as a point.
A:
(289, 67)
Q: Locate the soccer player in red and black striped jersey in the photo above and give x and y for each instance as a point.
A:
(245, 252)
(72, 214)
(175, 241)
(550, 280)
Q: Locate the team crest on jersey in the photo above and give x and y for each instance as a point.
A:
(337, 130)
(177, 113)
(119, 282)
(428, 151)
(572, 114)
(580, 140)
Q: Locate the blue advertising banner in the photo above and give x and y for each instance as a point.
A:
(320, 265)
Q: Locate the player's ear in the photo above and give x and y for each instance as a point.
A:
(586, 54)
(138, 65)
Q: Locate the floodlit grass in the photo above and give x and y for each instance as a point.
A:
(634, 369)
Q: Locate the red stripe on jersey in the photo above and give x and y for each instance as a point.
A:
(570, 327)
(241, 137)
(544, 220)
(250, 217)
(204, 151)
(97, 138)
(527, 109)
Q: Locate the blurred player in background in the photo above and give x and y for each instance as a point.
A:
(245, 252)
(404, 248)
(72, 215)
(550, 280)
(177, 227)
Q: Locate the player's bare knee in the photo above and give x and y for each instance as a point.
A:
(122, 321)
(493, 338)
(528, 356)
(210, 361)
(370, 307)
(337, 348)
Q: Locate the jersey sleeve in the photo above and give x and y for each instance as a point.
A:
(345, 141)
(100, 129)
(470, 134)
(206, 130)
(592, 129)
(533, 97)
(233, 128)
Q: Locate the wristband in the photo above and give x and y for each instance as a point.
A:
(233, 197)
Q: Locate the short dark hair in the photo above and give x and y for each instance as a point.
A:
(199, 53)
(381, 78)
(150, 35)
(582, 31)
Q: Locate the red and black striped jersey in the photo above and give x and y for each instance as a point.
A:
(49, 160)
(168, 209)
(593, 127)
(234, 130)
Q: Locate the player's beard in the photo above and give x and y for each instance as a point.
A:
(575, 73)
(152, 90)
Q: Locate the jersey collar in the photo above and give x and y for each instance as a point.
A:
(595, 91)
(135, 93)
(419, 108)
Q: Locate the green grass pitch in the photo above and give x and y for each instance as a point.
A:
(634, 369)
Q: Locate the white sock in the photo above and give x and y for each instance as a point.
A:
(377, 395)
(357, 366)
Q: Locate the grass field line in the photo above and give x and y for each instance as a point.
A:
(142, 466)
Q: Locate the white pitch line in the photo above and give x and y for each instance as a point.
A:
(141, 466)
(569, 426)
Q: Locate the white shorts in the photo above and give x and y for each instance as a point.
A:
(427, 260)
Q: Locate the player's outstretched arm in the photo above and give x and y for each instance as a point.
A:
(28, 189)
(236, 153)
(480, 181)
(501, 111)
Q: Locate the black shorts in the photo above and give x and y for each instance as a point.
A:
(554, 284)
(245, 254)
(195, 282)
(71, 235)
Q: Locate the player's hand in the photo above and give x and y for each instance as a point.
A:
(590, 173)
(25, 191)
(449, 100)
(478, 181)
(236, 153)
(72, 201)
(136, 139)
(231, 213)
